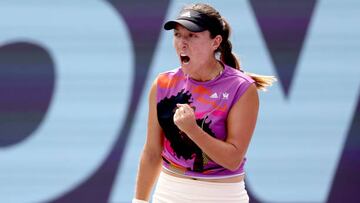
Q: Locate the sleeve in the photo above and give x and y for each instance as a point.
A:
(241, 89)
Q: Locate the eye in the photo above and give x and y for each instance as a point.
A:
(176, 34)
(193, 35)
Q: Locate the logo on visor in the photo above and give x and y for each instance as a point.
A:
(186, 14)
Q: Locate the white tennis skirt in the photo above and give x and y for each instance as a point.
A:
(170, 189)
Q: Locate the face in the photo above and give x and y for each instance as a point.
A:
(194, 49)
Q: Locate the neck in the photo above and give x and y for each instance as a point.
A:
(207, 71)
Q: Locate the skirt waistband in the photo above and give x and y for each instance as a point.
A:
(171, 189)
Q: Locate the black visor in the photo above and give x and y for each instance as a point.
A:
(194, 21)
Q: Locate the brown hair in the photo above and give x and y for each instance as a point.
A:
(225, 48)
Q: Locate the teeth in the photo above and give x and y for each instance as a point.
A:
(185, 59)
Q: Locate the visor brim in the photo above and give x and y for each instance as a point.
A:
(189, 25)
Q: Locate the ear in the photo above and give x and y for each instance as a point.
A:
(216, 42)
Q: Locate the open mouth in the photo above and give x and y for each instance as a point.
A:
(184, 59)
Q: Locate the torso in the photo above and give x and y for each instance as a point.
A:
(211, 101)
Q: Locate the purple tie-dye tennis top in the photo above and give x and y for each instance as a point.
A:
(211, 101)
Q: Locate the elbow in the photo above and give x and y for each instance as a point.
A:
(151, 156)
(234, 164)
(151, 159)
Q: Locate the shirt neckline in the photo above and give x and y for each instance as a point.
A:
(209, 81)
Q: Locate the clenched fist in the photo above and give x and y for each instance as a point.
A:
(184, 118)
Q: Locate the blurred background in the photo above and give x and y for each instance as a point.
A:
(74, 81)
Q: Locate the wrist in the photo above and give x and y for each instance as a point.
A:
(193, 131)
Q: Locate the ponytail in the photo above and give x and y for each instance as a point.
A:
(227, 57)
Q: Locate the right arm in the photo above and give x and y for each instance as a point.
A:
(150, 162)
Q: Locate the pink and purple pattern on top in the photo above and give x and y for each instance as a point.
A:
(211, 101)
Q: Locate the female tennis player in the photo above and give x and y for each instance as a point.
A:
(201, 117)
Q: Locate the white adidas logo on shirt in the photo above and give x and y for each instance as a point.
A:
(225, 96)
(214, 96)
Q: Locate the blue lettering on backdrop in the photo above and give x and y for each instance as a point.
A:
(284, 25)
(105, 55)
(26, 86)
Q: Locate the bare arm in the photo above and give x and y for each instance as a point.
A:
(150, 162)
(241, 123)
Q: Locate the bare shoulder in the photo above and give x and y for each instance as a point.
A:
(153, 89)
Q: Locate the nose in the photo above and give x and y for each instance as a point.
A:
(183, 42)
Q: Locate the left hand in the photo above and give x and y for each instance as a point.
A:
(184, 118)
